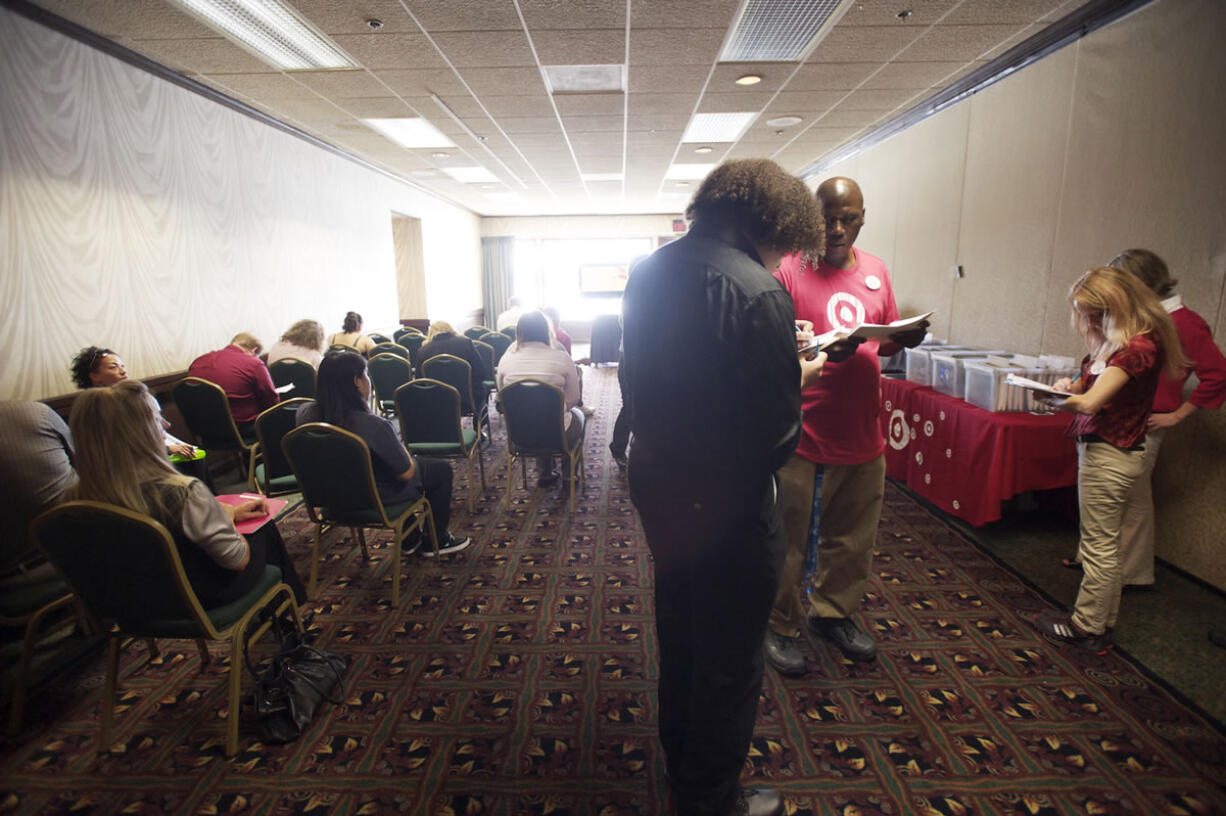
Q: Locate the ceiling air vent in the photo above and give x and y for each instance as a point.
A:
(780, 30)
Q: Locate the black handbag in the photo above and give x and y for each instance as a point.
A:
(288, 692)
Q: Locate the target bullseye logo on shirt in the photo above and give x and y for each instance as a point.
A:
(844, 311)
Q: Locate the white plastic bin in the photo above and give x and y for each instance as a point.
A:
(949, 373)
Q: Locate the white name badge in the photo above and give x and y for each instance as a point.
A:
(873, 282)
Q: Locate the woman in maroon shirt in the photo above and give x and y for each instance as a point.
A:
(1131, 339)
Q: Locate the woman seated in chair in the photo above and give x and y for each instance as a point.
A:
(531, 357)
(95, 367)
(343, 399)
(443, 339)
(351, 335)
(303, 341)
(120, 461)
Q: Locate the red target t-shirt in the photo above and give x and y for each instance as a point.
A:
(841, 410)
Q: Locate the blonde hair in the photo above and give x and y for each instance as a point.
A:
(439, 327)
(120, 450)
(307, 334)
(1128, 308)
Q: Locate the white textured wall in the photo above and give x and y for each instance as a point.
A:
(141, 216)
(1112, 142)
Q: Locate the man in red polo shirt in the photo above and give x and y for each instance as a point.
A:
(239, 371)
(841, 455)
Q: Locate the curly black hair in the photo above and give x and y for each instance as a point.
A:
(770, 206)
(85, 363)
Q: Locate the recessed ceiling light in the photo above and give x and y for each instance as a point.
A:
(748, 79)
(273, 31)
(440, 155)
(683, 184)
(411, 132)
(784, 121)
(585, 78)
(471, 175)
(601, 176)
(703, 149)
(717, 127)
(688, 172)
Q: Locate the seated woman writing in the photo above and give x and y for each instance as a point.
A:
(121, 460)
(343, 399)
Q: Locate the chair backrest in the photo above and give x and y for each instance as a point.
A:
(402, 332)
(340, 347)
(452, 370)
(387, 373)
(292, 371)
(206, 409)
(333, 469)
(124, 566)
(411, 342)
(535, 413)
(509, 331)
(500, 343)
(473, 332)
(271, 426)
(389, 348)
(379, 338)
(429, 411)
(487, 355)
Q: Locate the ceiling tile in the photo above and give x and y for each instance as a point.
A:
(499, 106)
(988, 12)
(911, 75)
(733, 102)
(604, 188)
(526, 141)
(215, 55)
(308, 110)
(271, 85)
(606, 104)
(840, 117)
(529, 125)
(885, 12)
(376, 107)
(393, 51)
(552, 14)
(594, 124)
(683, 14)
(599, 144)
(504, 81)
(864, 43)
(421, 82)
(675, 104)
(464, 15)
(659, 121)
(574, 47)
(698, 46)
(952, 43)
(334, 18)
(601, 164)
(833, 76)
(669, 78)
(481, 49)
(806, 103)
(342, 84)
(879, 100)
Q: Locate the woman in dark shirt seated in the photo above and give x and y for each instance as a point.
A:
(343, 398)
(443, 339)
(121, 460)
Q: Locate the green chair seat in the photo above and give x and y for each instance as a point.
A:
(222, 617)
(277, 484)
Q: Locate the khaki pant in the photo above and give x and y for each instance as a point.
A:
(850, 511)
(1137, 526)
(1106, 476)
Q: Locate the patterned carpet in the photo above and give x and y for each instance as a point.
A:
(517, 677)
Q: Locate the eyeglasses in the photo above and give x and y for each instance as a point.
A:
(95, 357)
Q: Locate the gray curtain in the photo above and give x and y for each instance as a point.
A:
(496, 268)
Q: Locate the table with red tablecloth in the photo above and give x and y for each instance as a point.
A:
(966, 460)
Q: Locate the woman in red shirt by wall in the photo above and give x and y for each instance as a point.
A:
(1130, 339)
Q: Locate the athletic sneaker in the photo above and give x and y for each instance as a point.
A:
(450, 544)
(1060, 626)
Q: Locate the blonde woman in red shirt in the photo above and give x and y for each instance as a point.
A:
(1130, 339)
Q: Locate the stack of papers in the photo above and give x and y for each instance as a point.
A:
(1035, 385)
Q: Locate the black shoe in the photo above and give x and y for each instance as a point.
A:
(411, 542)
(1060, 626)
(620, 461)
(783, 654)
(757, 802)
(449, 543)
(851, 640)
(548, 479)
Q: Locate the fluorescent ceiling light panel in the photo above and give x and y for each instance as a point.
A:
(411, 132)
(272, 30)
(585, 78)
(470, 175)
(601, 176)
(689, 172)
(504, 198)
(717, 127)
(779, 30)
